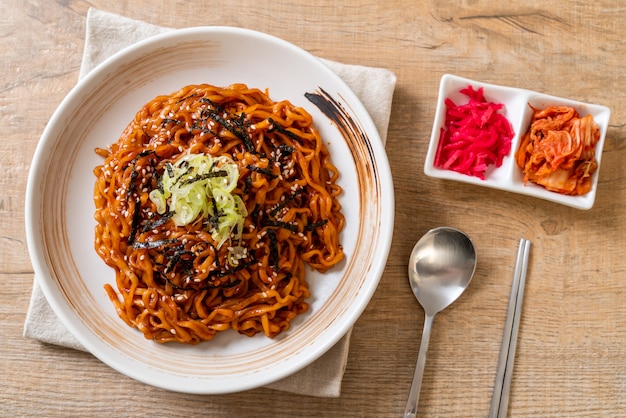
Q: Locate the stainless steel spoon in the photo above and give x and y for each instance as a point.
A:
(441, 266)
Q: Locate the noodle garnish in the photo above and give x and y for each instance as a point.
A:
(208, 208)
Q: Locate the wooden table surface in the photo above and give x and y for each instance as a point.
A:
(571, 356)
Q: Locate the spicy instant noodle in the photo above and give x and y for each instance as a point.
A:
(209, 207)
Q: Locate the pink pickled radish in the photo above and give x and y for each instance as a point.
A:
(475, 135)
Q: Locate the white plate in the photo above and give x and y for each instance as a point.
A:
(59, 206)
(508, 176)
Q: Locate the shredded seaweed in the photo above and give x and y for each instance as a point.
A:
(188, 97)
(286, 150)
(273, 259)
(200, 177)
(315, 225)
(157, 223)
(132, 183)
(287, 200)
(278, 128)
(177, 259)
(214, 220)
(168, 120)
(254, 215)
(187, 172)
(235, 126)
(265, 171)
(134, 225)
(247, 185)
(170, 169)
(143, 154)
(147, 245)
(158, 178)
(132, 186)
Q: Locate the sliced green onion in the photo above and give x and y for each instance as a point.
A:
(202, 185)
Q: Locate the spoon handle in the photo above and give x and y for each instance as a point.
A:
(410, 410)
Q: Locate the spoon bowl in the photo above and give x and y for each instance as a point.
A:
(441, 266)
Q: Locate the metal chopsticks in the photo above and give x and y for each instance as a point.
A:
(500, 400)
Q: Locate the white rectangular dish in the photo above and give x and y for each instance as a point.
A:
(517, 109)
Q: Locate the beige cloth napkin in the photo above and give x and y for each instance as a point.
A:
(106, 34)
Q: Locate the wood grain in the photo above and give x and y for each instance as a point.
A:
(571, 357)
